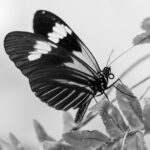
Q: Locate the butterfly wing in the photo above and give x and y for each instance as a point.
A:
(56, 76)
(55, 29)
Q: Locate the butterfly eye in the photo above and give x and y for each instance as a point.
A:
(111, 76)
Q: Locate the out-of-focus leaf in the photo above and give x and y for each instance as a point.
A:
(116, 145)
(142, 38)
(113, 120)
(68, 122)
(146, 24)
(146, 117)
(5, 145)
(15, 142)
(136, 142)
(132, 142)
(49, 145)
(130, 106)
(40, 132)
(1, 148)
(85, 139)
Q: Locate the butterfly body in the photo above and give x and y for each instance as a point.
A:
(61, 70)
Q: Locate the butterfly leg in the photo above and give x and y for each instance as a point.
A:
(114, 83)
(106, 96)
(95, 100)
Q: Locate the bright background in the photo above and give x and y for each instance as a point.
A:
(102, 24)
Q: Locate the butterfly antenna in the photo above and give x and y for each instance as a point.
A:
(126, 51)
(109, 57)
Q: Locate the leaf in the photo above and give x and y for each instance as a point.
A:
(85, 139)
(112, 119)
(68, 122)
(5, 145)
(132, 142)
(40, 132)
(146, 24)
(142, 38)
(136, 142)
(1, 148)
(146, 117)
(15, 142)
(130, 106)
(50, 145)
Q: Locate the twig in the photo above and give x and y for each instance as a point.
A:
(124, 139)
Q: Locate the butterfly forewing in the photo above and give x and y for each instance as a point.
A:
(56, 76)
(55, 29)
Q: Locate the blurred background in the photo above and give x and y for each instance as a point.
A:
(103, 25)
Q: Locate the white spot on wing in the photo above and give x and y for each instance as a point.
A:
(40, 47)
(34, 57)
(59, 28)
(54, 39)
(43, 12)
(60, 31)
(67, 29)
(54, 34)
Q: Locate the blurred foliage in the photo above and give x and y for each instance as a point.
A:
(126, 127)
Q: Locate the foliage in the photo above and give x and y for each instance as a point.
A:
(145, 36)
(126, 127)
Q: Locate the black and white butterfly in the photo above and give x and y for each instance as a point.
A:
(61, 70)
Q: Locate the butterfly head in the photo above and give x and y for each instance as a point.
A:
(104, 77)
(107, 73)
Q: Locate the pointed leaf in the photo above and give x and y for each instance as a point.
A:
(15, 142)
(85, 139)
(68, 122)
(49, 145)
(143, 38)
(1, 148)
(113, 120)
(146, 117)
(5, 145)
(146, 24)
(130, 106)
(136, 142)
(40, 132)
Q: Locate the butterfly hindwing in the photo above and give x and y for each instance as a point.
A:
(56, 76)
(55, 29)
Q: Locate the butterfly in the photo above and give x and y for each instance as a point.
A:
(61, 70)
